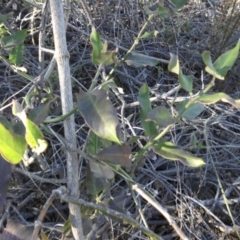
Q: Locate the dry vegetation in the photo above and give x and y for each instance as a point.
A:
(193, 197)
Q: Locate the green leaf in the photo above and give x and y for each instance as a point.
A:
(12, 146)
(206, 56)
(34, 137)
(225, 62)
(141, 60)
(106, 58)
(17, 110)
(94, 185)
(67, 226)
(157, 10)
(116, 154)
(3, 30)
(149, 34)
(40, 113)
(19, 128)
(9, 42)
(179, 3)
(16, 55)
(171, 152)
(145, 104)
(8, 125)
(95, 143)
(96, 44)
(99, 114)
(161, 116)
(174, 65)
(213, 98)
(185, 82)
(191, 112)
(44, 236)
(3, 18)
(101, 171)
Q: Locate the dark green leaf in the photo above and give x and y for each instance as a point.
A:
(179, 3)
(9, 42)
(3, 18)
(40, 113)
(116, 154)
(145, 104)
(99, 114)
(94, 185)
(101, 171)
(16, 55)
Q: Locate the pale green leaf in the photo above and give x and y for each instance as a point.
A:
(174, 65)
(106, 58)
(149, 34)
(225, 62)
(96, 44)
(213, 98)
(170, 151)
(12, 146)
(206, 56)
(185, 82)
(141, 60)
(34, 137)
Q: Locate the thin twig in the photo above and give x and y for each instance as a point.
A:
(113, 213)
(163, 211)
(38, 222)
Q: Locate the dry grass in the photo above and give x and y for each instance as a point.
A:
(191, 196)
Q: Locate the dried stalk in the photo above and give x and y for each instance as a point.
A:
(62, 58)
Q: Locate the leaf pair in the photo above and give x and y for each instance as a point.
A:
(174, 66)
(223, 64)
